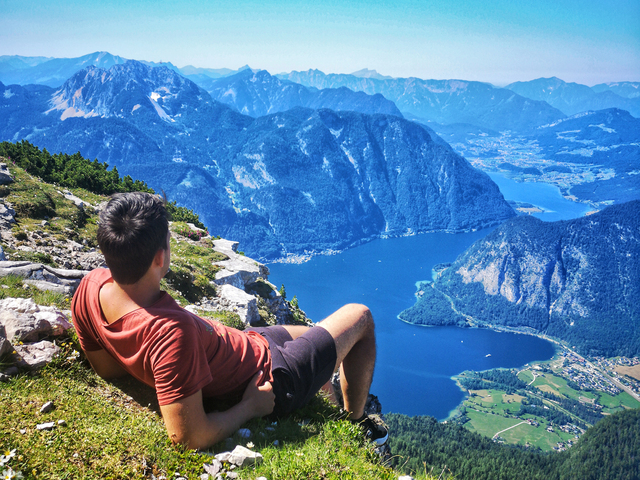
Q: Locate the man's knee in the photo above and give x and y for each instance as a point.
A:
(361, 318)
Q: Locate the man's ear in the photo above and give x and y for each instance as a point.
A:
(158, 259)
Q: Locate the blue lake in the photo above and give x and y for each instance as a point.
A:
(415, 364)
(543, 195)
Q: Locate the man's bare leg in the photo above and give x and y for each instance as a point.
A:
(352, 329)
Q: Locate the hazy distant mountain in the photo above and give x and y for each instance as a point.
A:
(190, 71)
(53, 72)
(10, 63)
(259, 93)
(624, 89)
(443, 101)
(572, 98)
(366, 73)
(576, 280)
(56, 71)
(297, 181)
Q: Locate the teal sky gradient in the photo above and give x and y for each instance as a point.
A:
(497, 41)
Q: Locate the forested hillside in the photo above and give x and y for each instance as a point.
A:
(575, 280)
(609, 450)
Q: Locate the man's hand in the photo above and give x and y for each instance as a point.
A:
(189, 425)
(259, 398)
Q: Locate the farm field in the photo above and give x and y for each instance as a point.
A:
(548, 408)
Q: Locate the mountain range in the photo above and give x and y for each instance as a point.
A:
(573, 98)
(575, 280)
(292, 182)
(443, 101)
(536, 102)
(259, 93)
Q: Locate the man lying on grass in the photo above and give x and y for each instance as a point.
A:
(126, 324)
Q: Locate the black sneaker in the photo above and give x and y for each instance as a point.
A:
(373, 432)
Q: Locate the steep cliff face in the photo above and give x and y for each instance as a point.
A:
(576, 280)
(324, 179)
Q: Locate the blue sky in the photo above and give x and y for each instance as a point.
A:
(498, 41)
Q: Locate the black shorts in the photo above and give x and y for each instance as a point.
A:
(300, 367)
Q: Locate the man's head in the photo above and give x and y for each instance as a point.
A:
(133, 227)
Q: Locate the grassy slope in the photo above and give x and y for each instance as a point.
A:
(113, 430)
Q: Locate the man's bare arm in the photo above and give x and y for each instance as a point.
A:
(105, 365)
(189, 425)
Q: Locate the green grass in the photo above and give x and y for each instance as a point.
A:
(616, 403)
(525, 376)
(113, 431)
(558, 385)
(13, 286)
(488, 424)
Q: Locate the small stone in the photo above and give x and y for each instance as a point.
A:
(46, 426)
(223, 457)
(232, 475)
(47, 407)
(242, 456)
(213, 468)
(23, 431)
(62, 423)
(261, 478)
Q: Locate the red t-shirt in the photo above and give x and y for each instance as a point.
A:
(169, 348)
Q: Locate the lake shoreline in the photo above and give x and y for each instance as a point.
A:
(455, 412)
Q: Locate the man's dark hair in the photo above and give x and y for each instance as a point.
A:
(133, 227)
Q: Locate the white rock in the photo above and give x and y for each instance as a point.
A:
(46, 426)
(47, 407)
(242, 456)
(213, 468)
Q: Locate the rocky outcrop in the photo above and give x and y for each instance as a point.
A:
(238, 270)
(44, 277)
(243, 288)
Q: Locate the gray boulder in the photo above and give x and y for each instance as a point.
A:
(24, 320)
(36, 355)
(7, 216)
(5, 175)
(5, 344)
